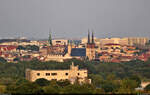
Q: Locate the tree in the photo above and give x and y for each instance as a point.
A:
(78, 89)
(32, 47)
(63, 83)
(2, 88)
(28, 88)
(147, 88)
(96, 79)
(108, 87)
(127, 86)
(21, 81)
(137, 79)
(99, 91)
(2, 60)
(42, 82)
(50, 90)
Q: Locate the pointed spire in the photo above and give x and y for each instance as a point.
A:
(92, 36)
(50, 38)
(88, 36)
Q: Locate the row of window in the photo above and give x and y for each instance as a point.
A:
(53, 74)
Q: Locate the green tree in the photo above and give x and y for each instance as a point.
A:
(28, 88)
(2, 60)
(96, 79)
(34, 48)
(127, 86)
(2, 88)
(79, 89)
(42, 82)
(147, 88)
(21, 81)
(63, 83)
(50, 90)
(137, 79)
(108, 87)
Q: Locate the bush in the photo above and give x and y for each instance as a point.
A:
(42, 82)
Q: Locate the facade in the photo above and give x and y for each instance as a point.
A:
(60, 42)
(137, 40)
(73, 74)
(121, 41)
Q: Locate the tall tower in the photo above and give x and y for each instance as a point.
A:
(50, 39)
(49, 48)
(92, 37)
(88, 36)
(69, 49)
(90, 48)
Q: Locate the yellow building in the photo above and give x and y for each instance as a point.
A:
(137, 40)
(59, 42)
(72, 74)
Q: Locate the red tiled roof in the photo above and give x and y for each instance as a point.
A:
(8, 47)
(115, 60)
(129, 57)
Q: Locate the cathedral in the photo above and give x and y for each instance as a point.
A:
(90, 48)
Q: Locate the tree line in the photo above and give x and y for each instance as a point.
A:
(106, 77)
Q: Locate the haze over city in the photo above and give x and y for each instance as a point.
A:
(72, 18)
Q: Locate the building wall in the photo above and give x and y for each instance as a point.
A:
(137, 40)
(60, 42)
(90, 51)
(72, 74)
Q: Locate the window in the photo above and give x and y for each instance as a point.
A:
(53, 74)
(47, 74)
(85, 72)
(66, 74)
(38, 74)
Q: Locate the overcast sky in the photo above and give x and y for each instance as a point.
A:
(72, 18)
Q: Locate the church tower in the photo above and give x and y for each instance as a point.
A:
(50, 39)
(90, 48)
(50, 45)
(69, 48)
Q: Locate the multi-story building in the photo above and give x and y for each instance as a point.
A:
(137, 40)
(73, 74)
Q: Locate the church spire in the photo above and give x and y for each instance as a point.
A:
(93, 37)
(50, 38)
(88, 36)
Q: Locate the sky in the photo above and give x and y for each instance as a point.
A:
(73, 18)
